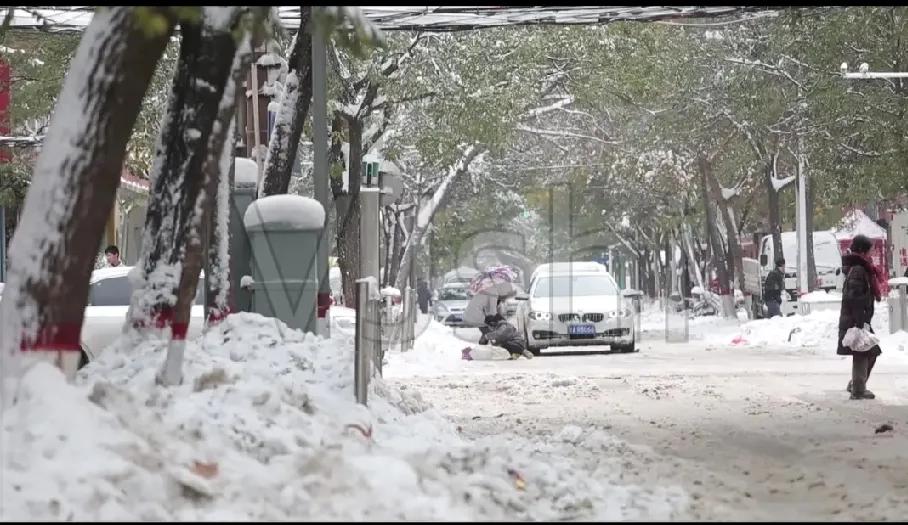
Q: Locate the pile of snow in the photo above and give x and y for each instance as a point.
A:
(819, 296)
(294, 211)
(390, 291)
(653, 323)
(819, 329)
(857, 223)
(895, 344)
(246, 174)
(264, 427)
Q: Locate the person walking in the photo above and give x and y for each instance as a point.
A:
(773, 288)
(112, 254)
(423, 295)
(861, 290)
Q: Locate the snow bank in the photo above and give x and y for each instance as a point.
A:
(819, 330)
(390, 291)
(820, 296)
(294, 211)
(264, 427)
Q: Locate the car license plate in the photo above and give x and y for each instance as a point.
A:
(581, 329)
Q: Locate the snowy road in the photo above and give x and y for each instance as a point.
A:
(748, 432)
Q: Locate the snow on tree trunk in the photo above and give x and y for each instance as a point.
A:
(217, 273)
(74, 183)
(693, 262)
(206, 56)
(294, 107)
(217, 170)
(426, 214)
(734, 256)
(715, 241)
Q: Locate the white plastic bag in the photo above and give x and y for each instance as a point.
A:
(860, 339)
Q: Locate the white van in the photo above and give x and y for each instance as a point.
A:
(826, 255)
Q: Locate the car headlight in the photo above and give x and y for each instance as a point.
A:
(541, 316)
(620, 313)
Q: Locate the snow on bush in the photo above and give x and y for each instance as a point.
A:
(264, 427)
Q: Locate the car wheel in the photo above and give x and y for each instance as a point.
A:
(535, 350)
(626, 349)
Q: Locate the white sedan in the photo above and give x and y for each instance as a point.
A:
(577, 308)
(108, 302)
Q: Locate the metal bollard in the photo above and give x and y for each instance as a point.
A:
(363, 346)
(376, 336)
(414, 317)
(405, 326)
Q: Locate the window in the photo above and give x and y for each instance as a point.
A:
(574, 286)
(117, 291)
(453, 294)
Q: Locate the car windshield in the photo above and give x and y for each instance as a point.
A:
(453, 294)
(574, 285)
(117, 291)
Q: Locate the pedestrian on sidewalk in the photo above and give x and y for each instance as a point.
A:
(773, 288)
(861, 290)
(423, 295)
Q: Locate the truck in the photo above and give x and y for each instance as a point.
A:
(827, 257)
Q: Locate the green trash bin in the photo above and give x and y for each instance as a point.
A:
(284, 232)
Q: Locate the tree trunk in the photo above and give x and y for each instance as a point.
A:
(715, 242)
(348, 232)
(295, 100)
(206, 56)
(398, 244)
(427, 214)
(734, 258)
(775, 214)
(74, 183)
(811, 262)
(387, 239)
(217, 265)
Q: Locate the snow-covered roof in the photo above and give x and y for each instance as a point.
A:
(293, 211)
(435, 18)
(855, 223)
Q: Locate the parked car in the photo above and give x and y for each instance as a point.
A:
(512, 304)
(109, 295)
(449, 306)
(576, 307)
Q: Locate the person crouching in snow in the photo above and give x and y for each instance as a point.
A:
(484, 312)
(505, 335)
(862, 288)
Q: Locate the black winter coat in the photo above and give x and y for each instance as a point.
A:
(857, 299)
(772, 288)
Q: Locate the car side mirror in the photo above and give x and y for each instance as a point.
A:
(838, 271)
(522, 297)
(764, 259)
